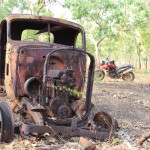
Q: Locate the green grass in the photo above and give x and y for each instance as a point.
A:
(142, 71)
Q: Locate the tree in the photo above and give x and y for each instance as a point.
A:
(39, 7)
(112, 18)
(118, 28)
(7, 7)
(145, 39)
(99, 16)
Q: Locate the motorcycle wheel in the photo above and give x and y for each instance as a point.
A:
(100, 74)
(128, 77)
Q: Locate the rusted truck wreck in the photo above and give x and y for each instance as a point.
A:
(43, 71)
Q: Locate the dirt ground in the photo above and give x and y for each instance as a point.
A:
(128, 102)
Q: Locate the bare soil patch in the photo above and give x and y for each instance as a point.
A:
(128, 102)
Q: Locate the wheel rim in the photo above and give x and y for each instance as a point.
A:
(128, 77)
(99, 74)
(104, 120)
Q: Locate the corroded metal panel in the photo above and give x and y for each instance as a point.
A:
(45, 81)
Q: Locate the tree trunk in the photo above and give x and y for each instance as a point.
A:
(139, 55)
(139, 60)
(146, 61)
(97, 52)
(96, 43)
(96, 55)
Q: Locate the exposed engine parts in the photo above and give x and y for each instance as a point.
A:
(58, 92)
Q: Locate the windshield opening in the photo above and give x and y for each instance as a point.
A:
(43, 31)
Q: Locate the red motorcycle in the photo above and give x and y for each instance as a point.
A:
(124, 71)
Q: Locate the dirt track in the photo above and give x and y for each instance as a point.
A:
(128, 102)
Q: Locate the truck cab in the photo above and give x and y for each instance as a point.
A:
(25, 41)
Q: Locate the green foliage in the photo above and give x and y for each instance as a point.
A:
(116, 28)
(79, 41)
(147, 72)
(31, 35)
(71, 91)
(124, 23)
(38, 7)
(142, 72)
(7, 7)
(116, 140)
(145, 38)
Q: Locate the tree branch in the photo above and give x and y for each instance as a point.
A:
(101, 40)
(43, 4)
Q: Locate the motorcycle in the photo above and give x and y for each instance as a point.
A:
(124, 71)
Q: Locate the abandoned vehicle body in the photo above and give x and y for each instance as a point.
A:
(43, 71)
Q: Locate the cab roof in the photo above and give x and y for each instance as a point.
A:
(65, 32)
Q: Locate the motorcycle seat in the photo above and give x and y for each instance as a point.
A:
(124, 65)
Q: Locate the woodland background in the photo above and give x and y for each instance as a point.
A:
(119, 29)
